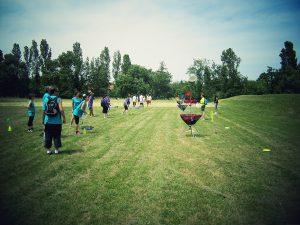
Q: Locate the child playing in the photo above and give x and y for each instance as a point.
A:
(79, 110)
(126, 104)
(31, 113)
(76, 100)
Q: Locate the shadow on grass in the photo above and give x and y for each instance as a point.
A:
(71, 151)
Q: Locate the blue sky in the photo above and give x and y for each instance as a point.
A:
(173, 31)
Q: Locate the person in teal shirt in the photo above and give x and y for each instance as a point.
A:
(79, 111)
(53, 123)
(76, 100)
(31, 113)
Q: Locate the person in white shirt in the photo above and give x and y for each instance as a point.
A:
(141, 101)
(134, 100)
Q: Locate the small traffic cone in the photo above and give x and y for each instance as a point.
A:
(84, 131)
(9, 129)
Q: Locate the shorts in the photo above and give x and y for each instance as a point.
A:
(76, 119)
(105, 109)
(203, 108)
(90, 107)
(30, 121)
(53, 131)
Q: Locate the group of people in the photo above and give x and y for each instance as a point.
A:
(141, 99)
(54, 116)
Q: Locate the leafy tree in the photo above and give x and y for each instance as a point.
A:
(78, 61)
(288, 56)
(198, 69)
(161, 80)
(234, 81)
(17, 52)
(125, 64)
(116, 64)
(136, 81)
(289, 78)
(9, 76)
(35, 64)
(1, 56)
(104, 71)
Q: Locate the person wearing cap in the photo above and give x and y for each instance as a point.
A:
(53, 124)
(79, 111)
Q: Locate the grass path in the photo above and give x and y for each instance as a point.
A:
(144, 168)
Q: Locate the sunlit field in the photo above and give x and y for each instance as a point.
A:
(242, 167)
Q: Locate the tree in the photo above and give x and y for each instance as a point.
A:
(35, 64)
(126, 64)
(9, 76)
(116, 64)
(103, 70)
(160, 84)
(1, 56)
(16, 52)
(198, 69)
(288, 80)
(137, 80)
(78, 61)
(288, 56)
(234, 82)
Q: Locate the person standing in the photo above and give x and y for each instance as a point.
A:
(203, 102)
(44, 102)
(79, 110)
(126, 104)
(54, 114)
(105, 103)
(134, 101)
(216, 101)
(31, 113)
(141, 101)
(90, 104)
(76, 100)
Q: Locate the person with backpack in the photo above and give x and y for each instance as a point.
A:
(126, 104)
(76, 100)
(203, 102)
(105, 103)
(54, 117)
(79, 111)
(31, 113)
(44, 102)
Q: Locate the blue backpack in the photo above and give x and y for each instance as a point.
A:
(205, 101)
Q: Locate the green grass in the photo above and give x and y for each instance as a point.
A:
(144, 168)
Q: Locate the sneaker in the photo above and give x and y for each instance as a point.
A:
(49, 152)
(56, 151)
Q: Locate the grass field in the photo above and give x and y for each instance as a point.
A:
(145, 168)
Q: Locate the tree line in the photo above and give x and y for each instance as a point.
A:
(30, 72)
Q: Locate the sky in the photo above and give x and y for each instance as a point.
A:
(151, 31)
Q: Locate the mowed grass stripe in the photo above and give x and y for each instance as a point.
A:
(144, 168)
